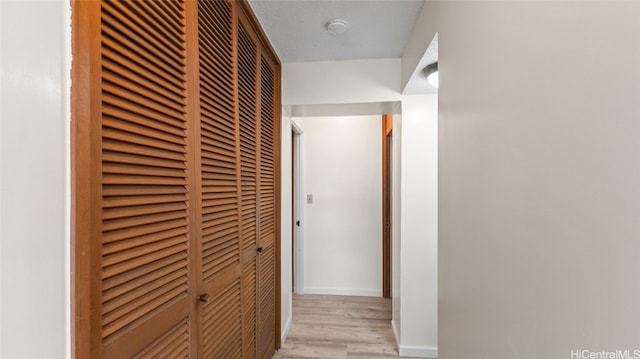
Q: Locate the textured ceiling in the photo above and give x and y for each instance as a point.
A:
(297, 28)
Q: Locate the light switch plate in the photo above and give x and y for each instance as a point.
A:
(309, 199)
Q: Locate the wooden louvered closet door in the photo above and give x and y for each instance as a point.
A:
(267, 211)
(258, 189)
(247, 94)
(146, 232)
(175, 135)
(221, 250)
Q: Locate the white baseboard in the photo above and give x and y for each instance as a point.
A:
(412, 350)
(342, 291)
(395, 333)
(285, 332)
(418, 351)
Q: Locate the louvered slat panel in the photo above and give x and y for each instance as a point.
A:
(267, 159)
(266, 302)
(249, 309)
(124, 234)
(169, 272)
(222, 326)
(220, 237)
(115, 191)
(172, 344)
(145, 243)
(136, 28)
(133, 140)
(247, 70)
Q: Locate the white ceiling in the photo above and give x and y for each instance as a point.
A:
(297, 28)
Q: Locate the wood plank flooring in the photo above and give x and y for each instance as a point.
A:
(340, 327)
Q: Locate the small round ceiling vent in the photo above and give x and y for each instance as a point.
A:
(337, 27)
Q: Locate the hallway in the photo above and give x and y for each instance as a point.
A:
(339, 327)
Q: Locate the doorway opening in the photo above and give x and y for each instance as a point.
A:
(387, 127)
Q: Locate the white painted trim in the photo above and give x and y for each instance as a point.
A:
(346, 109)
(285, 332)
(344, 291)
(418, 351)
(295, 128)
(395, 332)
(66, 105)
(298, 231)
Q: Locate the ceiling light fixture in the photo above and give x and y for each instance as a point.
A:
(431, 73)
(337, 27)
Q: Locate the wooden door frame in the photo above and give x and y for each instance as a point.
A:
(387, 126)
(85, 168)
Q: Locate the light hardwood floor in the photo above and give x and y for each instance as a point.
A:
(340, 327)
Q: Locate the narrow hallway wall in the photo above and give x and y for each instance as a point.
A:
(343, 172)
(34, 213)
(539, 195)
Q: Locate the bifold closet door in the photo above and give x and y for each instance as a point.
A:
(256, 81)
(267, 210)
(144, 287)
(248, 110)
(174, 175)
(238, 251)
(221, 252)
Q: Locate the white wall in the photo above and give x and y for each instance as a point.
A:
(286, 216)
(539, 194)
(419, 230)
(34, 309)
(343, 225)
(338, 82)
(348, 82)
(396, 211)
